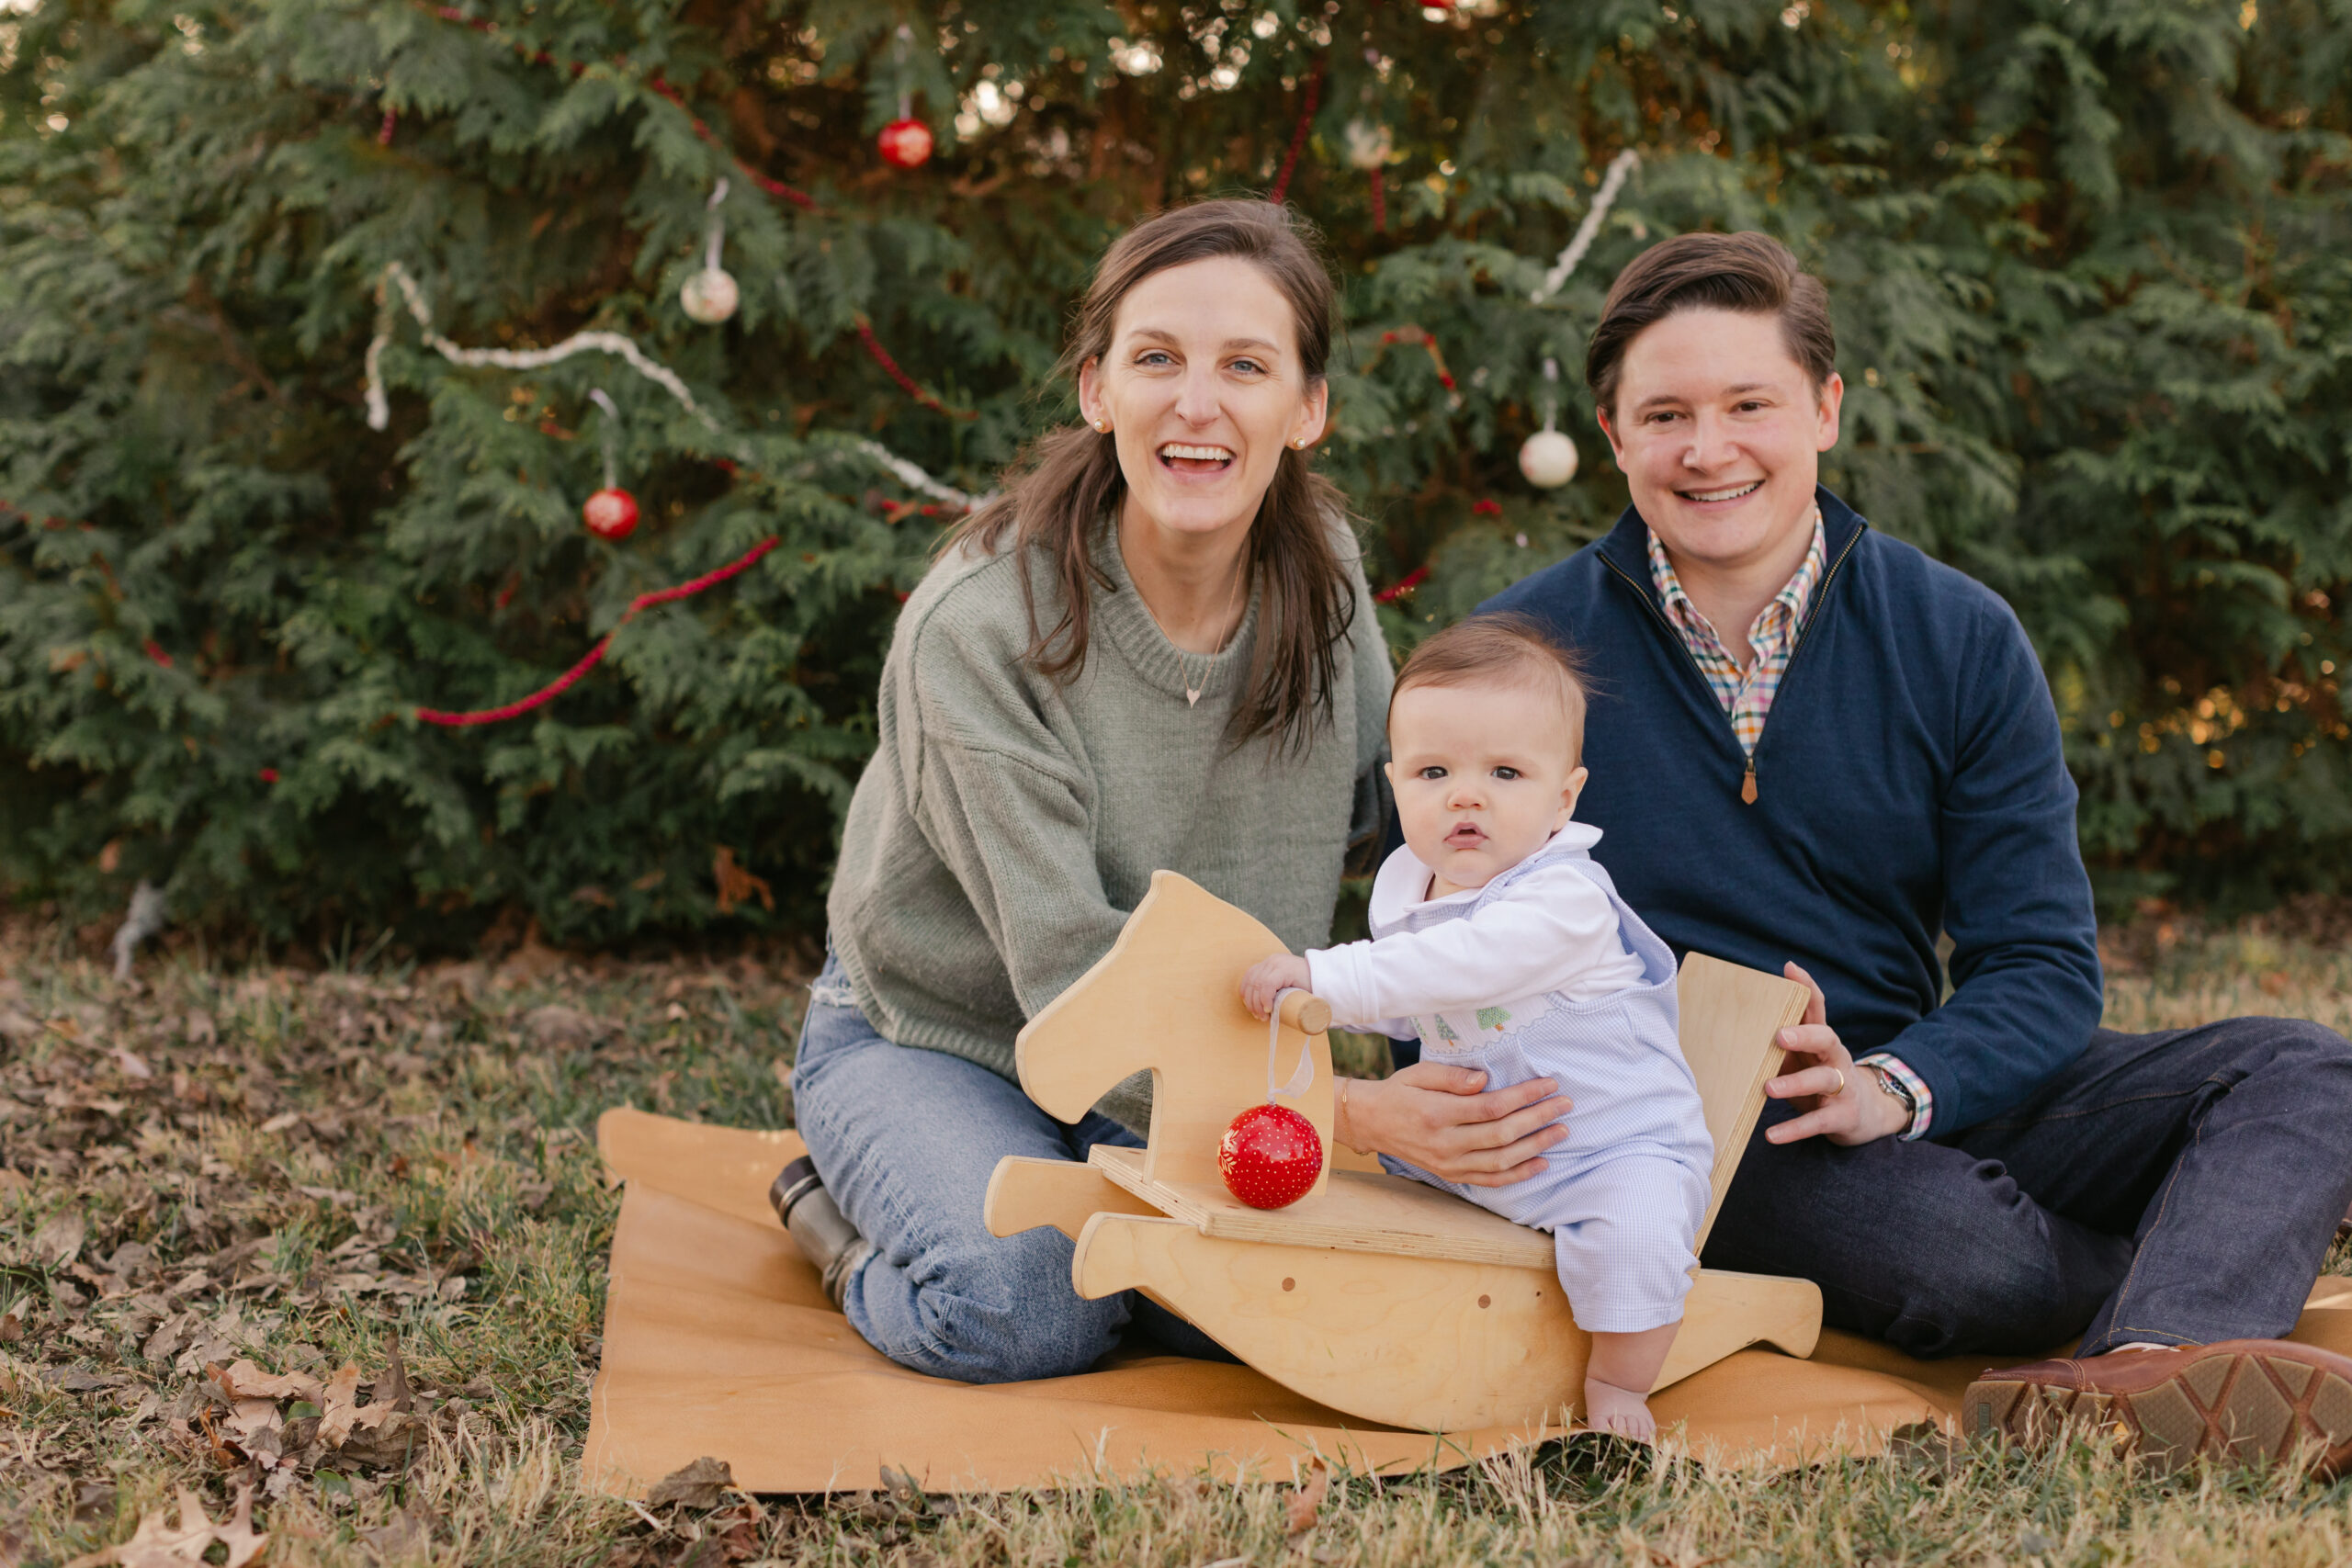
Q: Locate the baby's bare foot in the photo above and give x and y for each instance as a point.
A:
(1608, 1408)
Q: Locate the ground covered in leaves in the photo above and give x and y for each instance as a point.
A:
(303, 1262)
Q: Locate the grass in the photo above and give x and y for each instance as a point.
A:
(305, 1166)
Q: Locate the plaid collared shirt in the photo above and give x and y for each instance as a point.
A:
(1746, 696)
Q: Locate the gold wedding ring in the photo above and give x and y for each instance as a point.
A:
(1842, 1082)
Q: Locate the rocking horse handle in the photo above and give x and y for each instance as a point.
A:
(1304, 1012)
(1166, 998)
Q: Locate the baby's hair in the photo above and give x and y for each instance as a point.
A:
(1506, 647)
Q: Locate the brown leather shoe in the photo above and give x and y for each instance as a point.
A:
(2240, 1401)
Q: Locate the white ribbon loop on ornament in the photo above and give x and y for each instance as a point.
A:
(1303, 1078)
(610, 434)
(713, 246)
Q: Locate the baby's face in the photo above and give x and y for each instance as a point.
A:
(1484, 774)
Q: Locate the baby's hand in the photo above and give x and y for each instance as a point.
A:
(1268, 979)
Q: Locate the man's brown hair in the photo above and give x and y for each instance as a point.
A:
(1753, 274)
(1502, 649)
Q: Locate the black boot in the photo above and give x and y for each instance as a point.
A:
(818, 1227)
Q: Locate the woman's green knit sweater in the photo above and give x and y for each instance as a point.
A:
(1010, 821)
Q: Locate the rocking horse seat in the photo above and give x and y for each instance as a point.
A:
(1378, 1296)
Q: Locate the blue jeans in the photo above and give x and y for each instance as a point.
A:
(906, 1140)
(2176, 1188)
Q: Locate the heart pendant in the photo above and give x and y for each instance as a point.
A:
(1191, 697)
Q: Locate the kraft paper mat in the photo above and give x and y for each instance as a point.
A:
(719, 1340)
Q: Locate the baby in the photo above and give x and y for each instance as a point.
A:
(1498, 940)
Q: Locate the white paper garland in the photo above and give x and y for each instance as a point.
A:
(913, 477)
(1606, 198)
(380, 414)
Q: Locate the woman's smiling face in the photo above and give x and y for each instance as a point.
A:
(1202, 389)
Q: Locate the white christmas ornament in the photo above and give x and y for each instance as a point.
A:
(1549, 459)
(1368, 143)
(710, 296)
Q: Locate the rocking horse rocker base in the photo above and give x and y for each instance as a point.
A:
(1382, 1298)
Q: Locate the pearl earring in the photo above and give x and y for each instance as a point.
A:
(1103, 425)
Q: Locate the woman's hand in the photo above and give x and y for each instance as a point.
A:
(1270, 977)
(1434, 1116)
(1838, 1100)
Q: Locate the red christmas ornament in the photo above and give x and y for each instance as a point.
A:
(906, 143)
(610, 513)
(1270, 1156)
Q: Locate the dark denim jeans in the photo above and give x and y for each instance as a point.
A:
(2178, 1187)
(906, 1140)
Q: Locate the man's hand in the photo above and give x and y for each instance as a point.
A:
(1268, 979)
(1443, 1119)
(1837, 1099)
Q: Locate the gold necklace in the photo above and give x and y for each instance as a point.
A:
(1184, 661)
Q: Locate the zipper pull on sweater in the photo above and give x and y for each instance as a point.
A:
(1748, 783)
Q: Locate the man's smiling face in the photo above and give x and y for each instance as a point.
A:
(1720, 434)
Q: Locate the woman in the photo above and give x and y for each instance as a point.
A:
(1155, 649)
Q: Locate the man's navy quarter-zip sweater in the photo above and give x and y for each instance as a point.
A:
(1909, 780)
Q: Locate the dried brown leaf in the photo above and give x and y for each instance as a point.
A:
(243, 1380)
(393, 1388)
(406, 1534)
(343, 1413)
(1307, 1503)
(1924, 1448)
(698, 1485)
(556, 1027)
(737, 886)
(60, 1241)
(904, 1490)
(81, 1380)
(161, 1542)
(385, 1443)
(237, 1533)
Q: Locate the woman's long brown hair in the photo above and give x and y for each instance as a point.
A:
(1069, 484)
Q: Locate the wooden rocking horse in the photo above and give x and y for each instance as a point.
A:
(1377, 1296)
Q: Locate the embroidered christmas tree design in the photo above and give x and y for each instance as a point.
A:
(1493, 1018)
(1445, 1031)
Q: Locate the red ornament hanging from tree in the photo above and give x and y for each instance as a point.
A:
(611, 513)
(906, 143)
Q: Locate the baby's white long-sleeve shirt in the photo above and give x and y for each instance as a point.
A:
(1552, 930)
(1547, 973)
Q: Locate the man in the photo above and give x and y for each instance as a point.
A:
(1814, 742)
